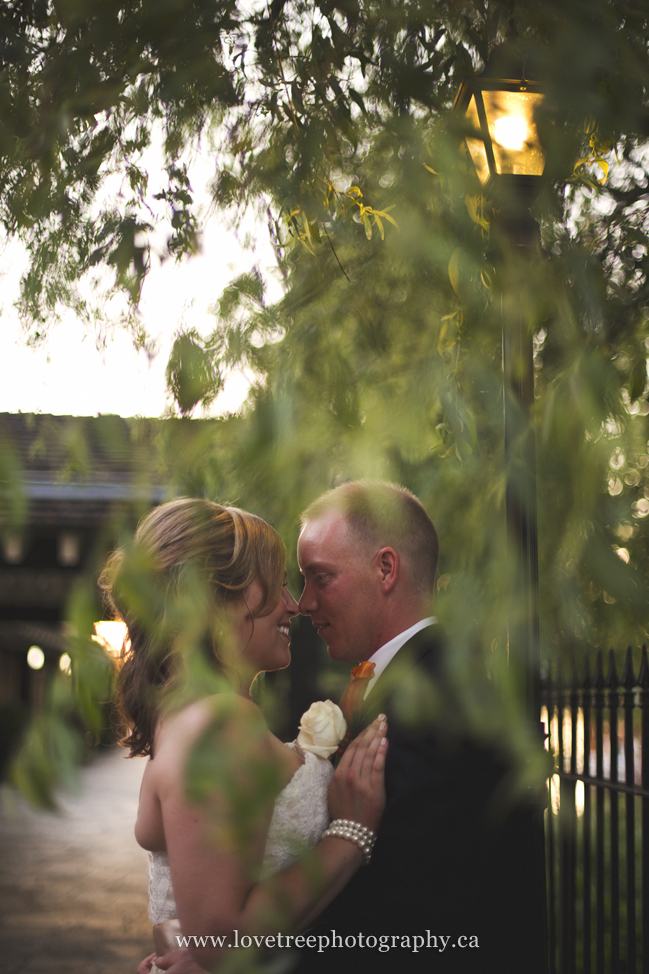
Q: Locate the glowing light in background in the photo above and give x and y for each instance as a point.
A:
(35, 657)
(112, 636)
(579, 797)
(65, 664)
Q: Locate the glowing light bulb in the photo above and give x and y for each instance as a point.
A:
(65, 663)
(35, 657)
(510, 132)
(112, 636)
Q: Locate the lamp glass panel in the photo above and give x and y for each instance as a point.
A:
(476, 145)
(514, 135)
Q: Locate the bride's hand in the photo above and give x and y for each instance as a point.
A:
(357, 791)
(145, 965)
(179, 962)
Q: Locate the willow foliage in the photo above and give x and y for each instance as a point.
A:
(384, 355)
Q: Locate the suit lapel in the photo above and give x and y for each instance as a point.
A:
(425, 649)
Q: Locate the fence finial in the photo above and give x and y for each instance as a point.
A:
(612, 679)
(628, 679)
(585, 679)
(598, 677)
(643, 675)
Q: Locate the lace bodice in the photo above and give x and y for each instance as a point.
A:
(299, 818)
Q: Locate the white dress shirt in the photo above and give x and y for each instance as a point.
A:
(389, 650)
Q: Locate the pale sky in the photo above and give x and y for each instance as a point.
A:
(68, 374)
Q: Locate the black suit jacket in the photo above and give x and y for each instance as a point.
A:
(451, 860)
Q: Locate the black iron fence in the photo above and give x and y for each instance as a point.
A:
(597, 825)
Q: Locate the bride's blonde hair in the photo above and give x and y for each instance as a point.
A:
(177, 548)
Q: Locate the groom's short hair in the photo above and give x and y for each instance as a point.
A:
(380, 514)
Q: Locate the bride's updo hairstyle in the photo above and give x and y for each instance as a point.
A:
(188, 561)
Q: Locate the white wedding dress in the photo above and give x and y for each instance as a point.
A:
(300, 816)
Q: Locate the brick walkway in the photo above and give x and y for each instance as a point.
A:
(72, 886)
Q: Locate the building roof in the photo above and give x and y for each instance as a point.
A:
(74, 470)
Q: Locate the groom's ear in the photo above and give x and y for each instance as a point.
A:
(388, 564)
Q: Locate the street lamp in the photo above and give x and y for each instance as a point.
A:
(502, 140)
(499, 116)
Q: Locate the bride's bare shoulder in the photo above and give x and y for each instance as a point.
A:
(224, 713)
(231, 719)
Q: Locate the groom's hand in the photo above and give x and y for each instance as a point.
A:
(178, 962)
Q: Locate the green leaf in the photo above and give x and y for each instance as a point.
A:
(454, 270)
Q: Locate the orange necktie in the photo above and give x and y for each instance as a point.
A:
(352, 697)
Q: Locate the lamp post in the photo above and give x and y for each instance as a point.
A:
(504, 145)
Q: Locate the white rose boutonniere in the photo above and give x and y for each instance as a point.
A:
(322, 728)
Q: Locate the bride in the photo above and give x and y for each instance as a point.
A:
(235, 822)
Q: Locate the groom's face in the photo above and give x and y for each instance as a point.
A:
(341, 592)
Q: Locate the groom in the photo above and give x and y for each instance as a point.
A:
(453, 865)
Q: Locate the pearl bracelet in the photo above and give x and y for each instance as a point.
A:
(364, 838)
